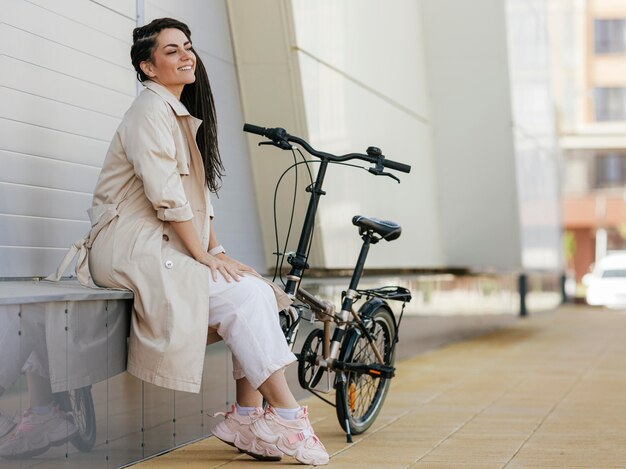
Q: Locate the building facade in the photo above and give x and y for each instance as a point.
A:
(589, 53)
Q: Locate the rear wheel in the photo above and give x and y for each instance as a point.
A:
(361, 394)
(78, 403)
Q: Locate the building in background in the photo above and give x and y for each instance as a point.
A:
(459, 90)
(589, 56)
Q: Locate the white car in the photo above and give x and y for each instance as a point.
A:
(606, 284)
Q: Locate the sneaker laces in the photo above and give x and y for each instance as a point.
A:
(225, 414)
(254, 415)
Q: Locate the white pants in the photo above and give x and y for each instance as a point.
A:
(23, 344)
(245, 315)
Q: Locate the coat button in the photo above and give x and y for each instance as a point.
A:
(166, 237)
(169, 264)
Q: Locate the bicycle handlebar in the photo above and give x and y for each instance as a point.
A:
(280, 137)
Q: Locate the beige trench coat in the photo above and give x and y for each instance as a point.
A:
(153, 173)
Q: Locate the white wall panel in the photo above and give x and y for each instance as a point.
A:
(22, 262)
(45, 112)
(123, 7)
(16, 199)
(91, 14)
(40, 232)
(66, 81)
(29, 139)
(42, 82)
(25, 16)
(32, 48)
(19, 168)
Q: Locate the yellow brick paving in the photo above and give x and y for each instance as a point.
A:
(547, 392)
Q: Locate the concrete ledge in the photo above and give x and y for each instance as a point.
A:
(14, 292)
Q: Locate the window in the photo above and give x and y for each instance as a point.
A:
(610, 104)
(608, 36)
(614, 273)
(610, 170)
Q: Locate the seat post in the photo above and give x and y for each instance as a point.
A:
(360, 263)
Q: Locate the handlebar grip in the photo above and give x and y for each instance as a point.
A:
(405, 168)
(254, 129)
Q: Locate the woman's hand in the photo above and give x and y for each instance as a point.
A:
(229, 268)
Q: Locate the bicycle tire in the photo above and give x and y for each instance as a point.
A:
(368, 394)
(78, 403)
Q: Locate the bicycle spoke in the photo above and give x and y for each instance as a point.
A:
(78, 414)
(366, 387)
(367, 392)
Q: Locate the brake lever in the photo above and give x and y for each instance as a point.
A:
(378, 172)
(283, 144)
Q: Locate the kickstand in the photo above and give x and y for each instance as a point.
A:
(348, 434)
(342, 380)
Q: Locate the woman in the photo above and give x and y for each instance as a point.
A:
(151, 233)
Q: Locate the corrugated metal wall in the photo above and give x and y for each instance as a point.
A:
(66, 81)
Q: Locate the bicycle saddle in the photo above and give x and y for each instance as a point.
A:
(388, 230)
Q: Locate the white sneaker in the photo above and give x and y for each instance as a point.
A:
(235, 431)
(293, 437)
(36, 433)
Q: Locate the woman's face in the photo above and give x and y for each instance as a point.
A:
(173, 64)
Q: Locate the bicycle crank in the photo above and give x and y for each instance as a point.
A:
(309, 371)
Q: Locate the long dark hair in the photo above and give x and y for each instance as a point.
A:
(196, 96)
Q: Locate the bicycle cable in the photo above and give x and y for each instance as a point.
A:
(280, 256)
(315, 393)
(304, 160)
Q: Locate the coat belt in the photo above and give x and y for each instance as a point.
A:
(100, 217)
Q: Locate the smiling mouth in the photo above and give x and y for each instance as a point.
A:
(185, 68)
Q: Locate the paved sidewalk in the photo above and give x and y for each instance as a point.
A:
(548, 391)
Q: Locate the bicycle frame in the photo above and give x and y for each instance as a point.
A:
(298, 263)
(298, 267)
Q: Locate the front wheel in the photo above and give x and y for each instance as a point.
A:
(362, 394)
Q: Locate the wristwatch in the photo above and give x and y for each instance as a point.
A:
(217, 250)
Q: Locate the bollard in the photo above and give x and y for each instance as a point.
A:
(523, 289)
(564, 298)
